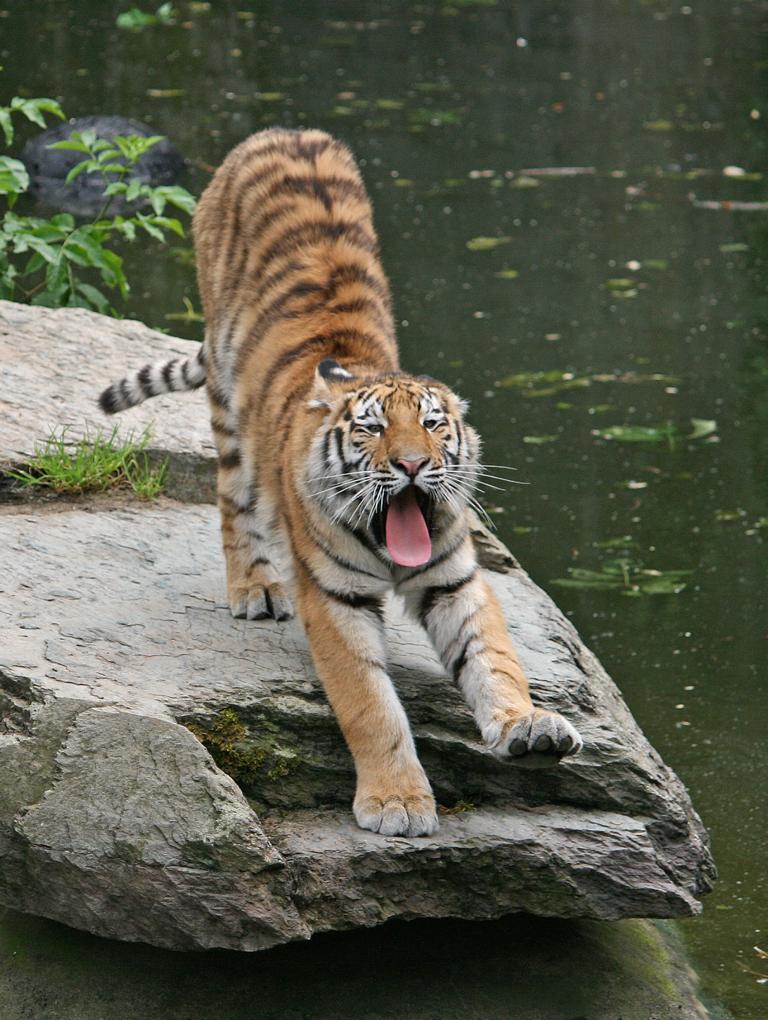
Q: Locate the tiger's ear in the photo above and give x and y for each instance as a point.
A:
(329, 374)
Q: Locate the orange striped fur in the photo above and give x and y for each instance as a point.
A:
(335, 464)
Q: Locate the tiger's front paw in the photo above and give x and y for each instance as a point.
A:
(397, 815)
(260, 602)
(538, 740)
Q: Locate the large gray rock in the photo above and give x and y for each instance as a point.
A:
(174, 776)
(114, 817)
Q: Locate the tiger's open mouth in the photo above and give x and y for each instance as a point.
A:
(405, 527)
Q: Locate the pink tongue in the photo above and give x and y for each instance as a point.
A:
(407, 536)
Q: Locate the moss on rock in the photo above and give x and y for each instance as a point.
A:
(249, 755)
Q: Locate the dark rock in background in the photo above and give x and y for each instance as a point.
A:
(48, 168)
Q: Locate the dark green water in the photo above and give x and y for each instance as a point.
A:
(444, 104)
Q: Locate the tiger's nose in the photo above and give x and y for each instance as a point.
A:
(412, 466)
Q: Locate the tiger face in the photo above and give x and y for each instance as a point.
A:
(393, 456)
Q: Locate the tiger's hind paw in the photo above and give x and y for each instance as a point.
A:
(260, 602)
(538, 740)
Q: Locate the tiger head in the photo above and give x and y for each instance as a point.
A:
(393, 456)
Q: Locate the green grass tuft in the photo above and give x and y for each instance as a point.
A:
(94, 463)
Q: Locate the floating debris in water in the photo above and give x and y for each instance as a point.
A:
(729, 204)
(556, 380)
(136, 20)
(540, 440)
(625, 574)
(559, 171)
(654, 434)
(486, 243)
(524, 181)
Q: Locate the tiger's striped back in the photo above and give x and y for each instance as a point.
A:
(289, 272)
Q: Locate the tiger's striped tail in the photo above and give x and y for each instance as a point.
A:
(174, 376)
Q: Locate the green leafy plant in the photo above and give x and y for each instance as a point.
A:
(136, 20)
(56, 261)
(92, 463)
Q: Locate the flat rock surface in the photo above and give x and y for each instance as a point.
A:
(117, 632)
(173, 776)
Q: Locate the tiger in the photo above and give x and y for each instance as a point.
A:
(336, 463)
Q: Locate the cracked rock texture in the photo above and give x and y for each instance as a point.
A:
(115, 818)
(174, 776)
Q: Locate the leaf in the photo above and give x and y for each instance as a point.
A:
(168, 223)
(46, 105)
(135, 20)
(178, 196)
(72, 143)
(166, 14)
(33, 109)
(110, 168)
(507, 274)
(522, 181)
(702, 427)
(133, 147)
(638, 433)
(559, 381)
(662, 586)
(627, 577)
(56, 285)
(125, 227)
(42, 248)
(14, 179)
(133, 189)
(735, 246)
(730, 515)
(620, 542)
(87, 165)
(571, 582)
(146, 223)
(62, 221)
(94, 297)
(621, 284)
(486, 243)
(115, 188)
(35, 263)
(540, 440)
(6, 123)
